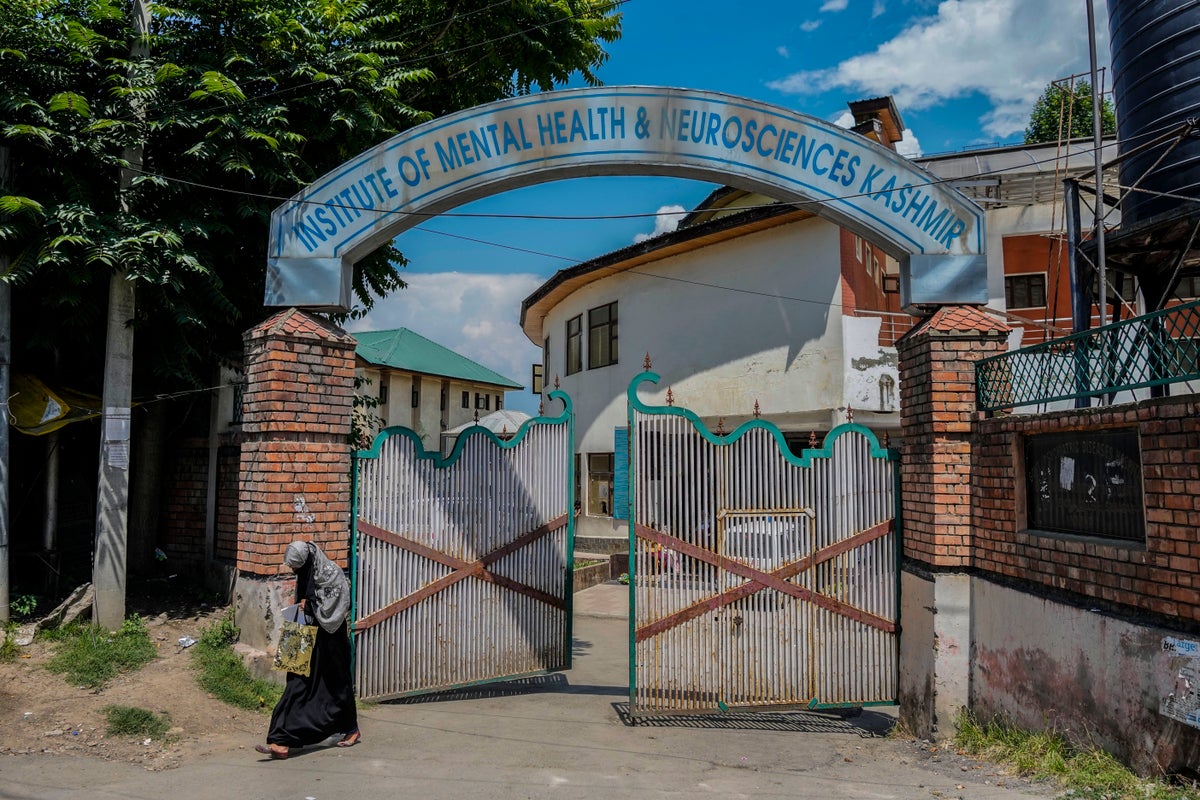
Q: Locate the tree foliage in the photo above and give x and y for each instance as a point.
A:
(256, 97)
(1065, 112)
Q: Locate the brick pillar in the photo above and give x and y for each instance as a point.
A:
(937, 402)
(295, 459)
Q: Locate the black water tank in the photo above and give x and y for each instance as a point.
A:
(1156, 61)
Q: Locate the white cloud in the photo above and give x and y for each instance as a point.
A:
(810, 25)
(878, 9)
(666, 221)
(834, 5)
(783, 51)
(969, 46)
(474, 315)
(908, 146)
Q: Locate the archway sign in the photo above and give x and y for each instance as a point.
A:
(935, 232)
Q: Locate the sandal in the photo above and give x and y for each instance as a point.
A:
(350, 739)
(267, 750)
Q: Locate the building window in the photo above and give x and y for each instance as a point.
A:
(466, 399)
(445, 399)
(499, 402)
(239, 398)
(600, 484)
(891, 284)
(574, 344)
(535, 379)
(383, 389)
(602, 336)
(483, 401)
(1087, 483)
(416, 392)
(1025, 291)
(1189, 287)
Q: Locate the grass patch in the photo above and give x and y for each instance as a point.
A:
(131, 721)
(221, 671)
(9, 650)
(1090, 773)
(90, 656)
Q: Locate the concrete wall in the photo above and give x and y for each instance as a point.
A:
(1094, 677)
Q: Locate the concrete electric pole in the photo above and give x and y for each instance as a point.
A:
(112, 498)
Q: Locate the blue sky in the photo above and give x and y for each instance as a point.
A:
(964, 74)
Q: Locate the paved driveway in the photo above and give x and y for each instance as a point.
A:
(562, 736)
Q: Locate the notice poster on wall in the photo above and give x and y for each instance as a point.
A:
(1183, 703)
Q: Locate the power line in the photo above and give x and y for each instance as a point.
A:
(800, 204)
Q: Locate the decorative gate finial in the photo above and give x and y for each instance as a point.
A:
(720, 426)
(556, 383)
(887, 439)
(646, 362)
(670, 397)
(757, 410)
(812, 439)
(849, 414)
(477, 416)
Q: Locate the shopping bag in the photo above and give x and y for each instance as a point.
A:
(296, 641)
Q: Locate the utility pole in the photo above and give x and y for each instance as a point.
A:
(5, 361)
(1098, 145)
(112, 500)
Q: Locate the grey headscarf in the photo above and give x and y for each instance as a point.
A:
(333, 590)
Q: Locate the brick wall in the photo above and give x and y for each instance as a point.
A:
(937, 401)
(1163, 575)
(229, 455)
(183, 513)
(295, 458)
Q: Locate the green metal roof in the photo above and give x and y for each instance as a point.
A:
(402, 349)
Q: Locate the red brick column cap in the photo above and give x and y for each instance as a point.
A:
(297, 324)
(959, 320)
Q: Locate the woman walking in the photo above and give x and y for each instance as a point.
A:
(320, 704)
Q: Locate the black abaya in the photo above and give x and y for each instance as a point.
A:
(321, 704)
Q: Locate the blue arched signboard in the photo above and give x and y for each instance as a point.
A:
(318, 235)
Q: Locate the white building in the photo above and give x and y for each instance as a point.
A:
(422, 385)
(752, 306)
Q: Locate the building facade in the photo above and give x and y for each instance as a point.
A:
(408, 380)
(753, 307)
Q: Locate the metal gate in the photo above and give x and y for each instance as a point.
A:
(463, 565)
(758, 578)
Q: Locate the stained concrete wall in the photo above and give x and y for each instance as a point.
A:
(1096, 678)
(935, 651)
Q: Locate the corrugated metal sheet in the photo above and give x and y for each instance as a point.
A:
(759, 578)
(463, 568)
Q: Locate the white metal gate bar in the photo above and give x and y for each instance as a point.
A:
(463, 565)
(758, 578)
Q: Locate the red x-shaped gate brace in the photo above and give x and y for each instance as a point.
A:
(757, 580)
(462, 569)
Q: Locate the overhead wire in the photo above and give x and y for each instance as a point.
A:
(595, 217)
(624, 216)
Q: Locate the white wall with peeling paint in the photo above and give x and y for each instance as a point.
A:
(756, 318)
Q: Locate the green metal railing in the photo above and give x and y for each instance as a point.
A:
(1151, 350)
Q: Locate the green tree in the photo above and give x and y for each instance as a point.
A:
(257, 97)
(1063, 112)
